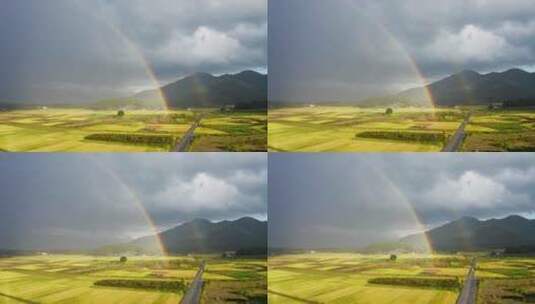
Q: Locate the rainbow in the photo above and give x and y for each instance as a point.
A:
(135, 199)
(147, 66)
(412, 63)
(406, 207)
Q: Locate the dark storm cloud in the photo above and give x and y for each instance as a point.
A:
(189, 36)
(349, 201)
(64, 201)
(351, 49)
(72, 51)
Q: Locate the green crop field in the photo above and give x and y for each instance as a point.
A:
(344, 128)
(80, 130)
(88, 279)
(238, 132)
(506, 280)
(500, 131)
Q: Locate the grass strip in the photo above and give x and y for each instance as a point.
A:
(438, 283)
(166, 286)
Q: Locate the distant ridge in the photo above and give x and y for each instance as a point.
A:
(247, 89)
(202, 236)
(468, 88)
(468, 234)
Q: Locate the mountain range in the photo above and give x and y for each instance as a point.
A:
(247, 89)
(246, 235)
(471, 234)
(467, 88)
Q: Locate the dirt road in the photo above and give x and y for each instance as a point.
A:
(186, 140)
(193, 295)
(468, 294)
(457, 139)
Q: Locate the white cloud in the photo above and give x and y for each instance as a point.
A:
(205, 45)
(247, 178)
(516, 177)
(472, 43)
(517, 30)
(191, 33)
(249, 31)
(470, 190)
(202, 192)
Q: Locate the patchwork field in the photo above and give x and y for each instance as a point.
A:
(347, 278)
(506, 280)
(411, 278)
(500, 131)
(79, 130)
(238, 132)
(87, 279)
(344, 128)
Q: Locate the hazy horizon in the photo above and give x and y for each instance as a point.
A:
(397, 238)
(79, 51)
(348, 50)
(351, 201)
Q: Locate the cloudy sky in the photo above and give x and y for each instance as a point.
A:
(347, 50)
(65, 200)
(352, 200)
(78, 50)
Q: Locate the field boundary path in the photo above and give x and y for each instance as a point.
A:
(468, 293)
(292, 297)
(193, 295)
(17, 299)
(455, 142)
(186, 140)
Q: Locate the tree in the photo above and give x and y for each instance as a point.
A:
(393, 257)
(123, 259)
(120, 113)
(389, 111)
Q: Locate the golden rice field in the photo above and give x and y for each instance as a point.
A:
(342, 129)
(71, 279)
(407, 129)
(74, 130)
(345, 277)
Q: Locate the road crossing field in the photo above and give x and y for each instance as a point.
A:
(407, 129)
(75, 279)
(412, 278)
(83, 130)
